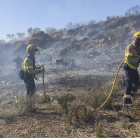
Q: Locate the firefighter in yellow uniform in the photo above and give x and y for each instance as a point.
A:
(132, 60)
(30, 70)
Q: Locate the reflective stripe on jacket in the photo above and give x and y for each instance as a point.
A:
(132, 56)
(127, 96)
(29, 66)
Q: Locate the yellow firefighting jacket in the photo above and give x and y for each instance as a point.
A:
(29, 66)
(132, 55)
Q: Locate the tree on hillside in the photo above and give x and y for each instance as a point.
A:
(73, 26)
(135, 10)
(91, 22)
(109, 18)
(50, 30)
(13, 36)
(2, 41)
(10, 36)
(21, 35)
(35, 30)
(70, 26)
(30, 31)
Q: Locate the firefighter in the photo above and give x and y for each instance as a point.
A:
(18, 62)
(30, 70)
(131, 63)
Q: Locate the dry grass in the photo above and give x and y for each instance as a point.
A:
(98, 95)
(26, 104)
(64, 101)
(77, 113)
(81, 106)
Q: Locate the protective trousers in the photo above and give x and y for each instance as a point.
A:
(30, 84)
(131, 80)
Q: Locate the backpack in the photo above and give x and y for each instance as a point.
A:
(21, 74)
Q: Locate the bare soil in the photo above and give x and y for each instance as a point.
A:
(43, 122)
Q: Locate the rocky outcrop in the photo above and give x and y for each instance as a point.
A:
(136, 25)
(40, 39)
(61, 62)
(20, 47)
(93, 53)
(62, 52)
(72, 64)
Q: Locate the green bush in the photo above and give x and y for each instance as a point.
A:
(97, 96)
(83, 113)
(63, 101)
(45, 99)
(99, 130)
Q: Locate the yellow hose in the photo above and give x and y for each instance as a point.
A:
(112, 86)
(45, 92)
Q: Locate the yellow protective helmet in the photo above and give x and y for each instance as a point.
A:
(136, 35)
(31, 47)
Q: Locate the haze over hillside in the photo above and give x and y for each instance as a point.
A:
(99, 46)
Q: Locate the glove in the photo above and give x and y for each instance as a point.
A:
(39, 67)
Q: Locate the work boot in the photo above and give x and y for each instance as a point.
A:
(127, 101)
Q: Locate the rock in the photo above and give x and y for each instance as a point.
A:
(72, 64)
(62, 52)
(20, 46)
(90, 51)
(92, 33)
(61, 62)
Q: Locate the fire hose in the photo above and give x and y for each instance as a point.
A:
(45, 91)
(112, 86)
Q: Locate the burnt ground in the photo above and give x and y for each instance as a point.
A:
(43, 121)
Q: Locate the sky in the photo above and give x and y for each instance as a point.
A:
(16, 16)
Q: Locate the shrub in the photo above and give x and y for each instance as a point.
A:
(97, 96)
(135, 10)
(63, 101)
(83, 113)
(45, 99)
(26, 105)
(99, 131)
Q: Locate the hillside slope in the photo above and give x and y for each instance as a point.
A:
(101, 43)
